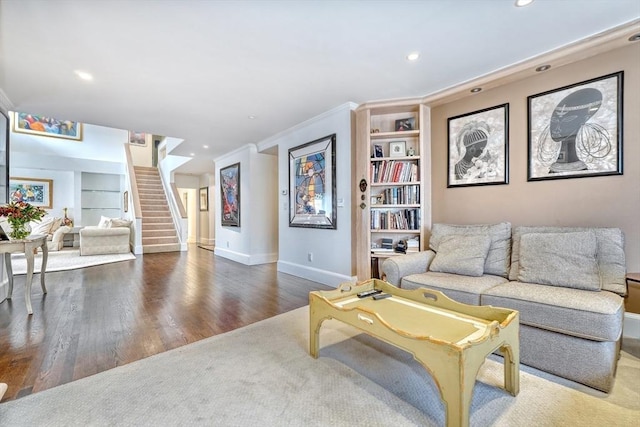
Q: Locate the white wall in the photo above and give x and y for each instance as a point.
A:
(188, 188)
(331, 249)
(256, 240)
(207, 229)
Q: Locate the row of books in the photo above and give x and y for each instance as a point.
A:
(405, 195)
(394, 171)
(403, 219)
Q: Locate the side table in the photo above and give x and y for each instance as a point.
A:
(26, 246)
(632, 300)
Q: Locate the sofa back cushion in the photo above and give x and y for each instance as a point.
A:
(560, 259)
(498, 257)
(609, 253)
(462, 254)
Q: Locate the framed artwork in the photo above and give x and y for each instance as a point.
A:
(478, 148)
(126, 201)
(576, 131)
(38, 192)
(139, 138)
(377, 151)
(312, 184)
(46, 126)
(405, 124)
(230, 194)
(397, 148)
(204, 199)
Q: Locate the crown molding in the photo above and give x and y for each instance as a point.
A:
(5, 103)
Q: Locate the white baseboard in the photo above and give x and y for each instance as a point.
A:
(322, 276)
(245, 259)
(631, 325)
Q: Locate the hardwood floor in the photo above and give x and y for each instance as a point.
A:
(97, 318)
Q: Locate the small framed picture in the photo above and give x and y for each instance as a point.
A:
(405, 124)
(377, 151)
(397, 148)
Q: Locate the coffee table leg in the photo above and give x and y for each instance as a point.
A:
(27, 288)
(43, 269)
(7, 263)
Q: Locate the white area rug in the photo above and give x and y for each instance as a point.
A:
(65, 260)
(262, 375)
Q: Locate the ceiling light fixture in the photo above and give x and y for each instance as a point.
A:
(192, 154)
(413, 56)
(523, 3)
(543, 68)
(84, 75)
(476, 90)
(634, 38)
(252, 117)
(205, 146)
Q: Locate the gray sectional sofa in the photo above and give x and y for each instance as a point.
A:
(567, 283)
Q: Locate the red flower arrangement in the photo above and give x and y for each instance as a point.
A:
(19, 214)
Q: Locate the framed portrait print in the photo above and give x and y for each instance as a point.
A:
(478, 148)
(397, 148)
(35, 191)
(576, 131)
(46, 126)
(312, 184)
(230, 195)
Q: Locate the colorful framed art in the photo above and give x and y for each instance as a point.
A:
(36, 191)
(230, 195)
(46, 126)
(312, 184)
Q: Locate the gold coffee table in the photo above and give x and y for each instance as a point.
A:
(450, 339)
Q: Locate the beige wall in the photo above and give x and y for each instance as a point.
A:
(607, 201)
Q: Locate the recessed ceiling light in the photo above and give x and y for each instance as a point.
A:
(543, 68)
(634, 38)
(205, 146)
(192, 154)
(523, 3)
(84, 75)
(476, 89)
(413, 56)
(252, 117)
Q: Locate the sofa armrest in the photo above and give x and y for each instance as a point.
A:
(396, 267)
(59, 234)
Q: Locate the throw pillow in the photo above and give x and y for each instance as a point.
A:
(560, 259)
(57, 222)
(462, 254)
(105, 222)
(42, 226)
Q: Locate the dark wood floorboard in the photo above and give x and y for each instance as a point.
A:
(97, 318)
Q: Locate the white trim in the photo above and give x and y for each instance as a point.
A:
(321, 276)
(5, 103)
(631, 328)
(246, 259)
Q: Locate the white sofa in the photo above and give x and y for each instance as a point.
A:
(111, 236)
(54, 230)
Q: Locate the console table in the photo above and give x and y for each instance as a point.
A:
(26, 246)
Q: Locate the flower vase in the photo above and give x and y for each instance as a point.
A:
(19, 230)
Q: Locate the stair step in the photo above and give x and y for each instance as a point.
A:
(156, 220)
(159, 240)
(158, 233)
(166, 225)
(171, 247)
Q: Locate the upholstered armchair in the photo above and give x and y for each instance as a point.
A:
(54, 230)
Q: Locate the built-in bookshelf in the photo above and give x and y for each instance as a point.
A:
(392, 161)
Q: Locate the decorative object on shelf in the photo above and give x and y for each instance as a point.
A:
(18, 215)
(405, 124)
(377, 151)
(397, 148)
(478, 147)
(46, 126)
(38, 192)
(204, 199)
(139, 138)
(66, 220)
(411, 152)
(363, 185)
(125, 201)
(312, 184)
(230, 194)
(375, 130)
(576, 131)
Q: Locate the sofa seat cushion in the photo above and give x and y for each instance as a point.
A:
(464, 289)
(586, 314)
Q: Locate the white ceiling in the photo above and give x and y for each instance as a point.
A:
(196, 69)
